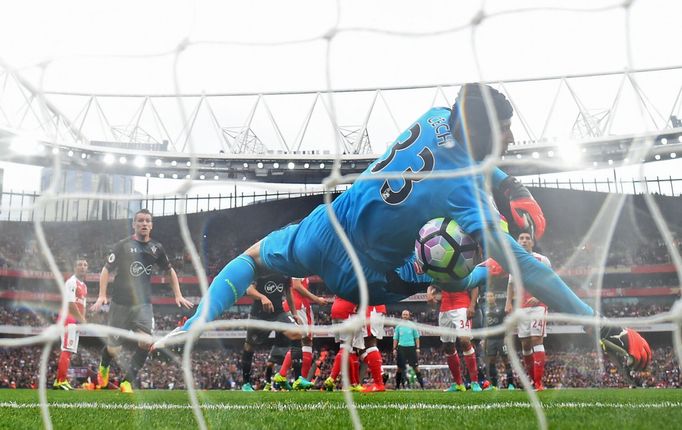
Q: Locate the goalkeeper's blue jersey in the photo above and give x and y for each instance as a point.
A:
(382, 217)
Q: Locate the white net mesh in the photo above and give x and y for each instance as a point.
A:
(337, 84)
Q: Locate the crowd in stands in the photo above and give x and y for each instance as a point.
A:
(220, 369)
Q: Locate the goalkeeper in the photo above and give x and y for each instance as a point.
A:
(381, 218)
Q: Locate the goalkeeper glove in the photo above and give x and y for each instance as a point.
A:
(525, 210)
(494, 268)
(627, 348)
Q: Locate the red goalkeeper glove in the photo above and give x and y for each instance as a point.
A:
(494, 268)
(626, 347)
(525, 210)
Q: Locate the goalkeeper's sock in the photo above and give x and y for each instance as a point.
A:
(105, 361)
(247, 357)
(528, 363)
(455, 367)
(307, 361)
(472, 365)
(136, 363)
(286, 364)
(228, 286)
(538, 364)
(540, 280)
(63, 366)
(372, 357)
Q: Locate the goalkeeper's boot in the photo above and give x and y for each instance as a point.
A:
(126, 387)
(282, 381)
(475, 387)
(329, 384)
(103, 377)
(302, 384)
(626, 348)
(511, 387)
(247, 387)
(167, 340)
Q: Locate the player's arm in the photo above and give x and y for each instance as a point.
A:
(525, 210)
(508, 304)
(396, 337)
(471, 310)
(103, 284)
(298, 286)
(76, 312)
(175, 286)
(288, 296)
(416, 339)
(265, 302)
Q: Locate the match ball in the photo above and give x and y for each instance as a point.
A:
(445, 252)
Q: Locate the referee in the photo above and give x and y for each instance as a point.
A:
(131, 297)
(406, 348)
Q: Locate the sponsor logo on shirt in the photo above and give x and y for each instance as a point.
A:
(271, 287)
(137, 269)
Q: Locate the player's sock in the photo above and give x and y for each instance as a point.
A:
(472, 366)
(420, 379)
(268, 373)
(106, 357)
(247, 357)
(296, 359)
(228, 286)
(286, 364)
(510, 375)
(538, 364)
(398, 379)
(354, 368)
(528, 362)
(541, 281)
(307, 361)
(454, 365)
(372, 357)
(136, 363)
(492, 372)
(63, 366)
(336, 367)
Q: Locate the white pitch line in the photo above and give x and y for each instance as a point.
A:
(305, 407)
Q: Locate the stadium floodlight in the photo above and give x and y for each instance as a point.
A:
(161, 175)
(70, 153)
(122, 160)
(595, 163)
(519, 156)
(306, 165)
(535, 155)
(550, 154)
(174, 176)
(189, 164)
(174, 163)
(55, 151)
(158, 162)
(673, 155)
(84, 155)
(216, 177)
(657, 157)
(147, 175)
(140, 161)
(246, 165)
(202, 177)
(610, 162)
(260, 165)
(108, 159)
(25, 145)
(321, 165)
(664, 141)
(291, 165)
(275, 165)
(570, 152)
(188, 176)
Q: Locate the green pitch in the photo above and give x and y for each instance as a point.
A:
(565, 409)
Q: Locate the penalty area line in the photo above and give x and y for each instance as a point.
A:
(316, 406)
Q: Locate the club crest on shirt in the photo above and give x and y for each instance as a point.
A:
(111, 258)
(137, 269)
(153, 248)
(272, 286)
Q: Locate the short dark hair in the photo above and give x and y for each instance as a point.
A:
(142, 211)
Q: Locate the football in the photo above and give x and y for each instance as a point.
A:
(444, 251)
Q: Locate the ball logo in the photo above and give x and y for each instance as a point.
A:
(137, 269)
(271, 287)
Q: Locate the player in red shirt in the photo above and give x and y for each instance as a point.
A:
(531, 331)
(371, 356)
(456, 311)
(343, 309)
(75, 292)
(300, 291)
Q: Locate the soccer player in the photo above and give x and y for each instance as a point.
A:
(131, 307)
(268, 292)
(76, 291)
(494, 345)
(456, 311)
(370, 354)
(406, 349)
(300, 291)
(532, 331)
(342, 310)
(381, 218)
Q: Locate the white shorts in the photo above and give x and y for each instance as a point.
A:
(355, 339)
(535, 326)
(307, 320)
(455, 319)
(375, 326)
(70, 338)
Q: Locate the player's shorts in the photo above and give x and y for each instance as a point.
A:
(407, 355)
(305, 314)
(138, 318)
(356, 338)
(313, 247)
(375, 326)
(535, 326)
(455, 319)
(495, 346)
(256, 336)
(70, 338)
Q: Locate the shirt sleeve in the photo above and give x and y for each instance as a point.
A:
(70, 292)
(396, 333)
(162, 260)
(113, 257)
(416, 333)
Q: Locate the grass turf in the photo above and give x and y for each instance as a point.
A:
(565, 409)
